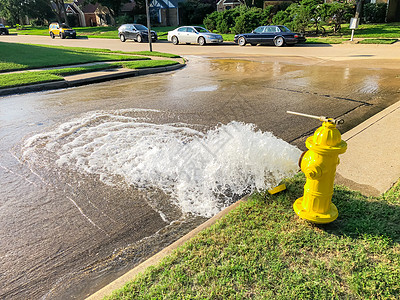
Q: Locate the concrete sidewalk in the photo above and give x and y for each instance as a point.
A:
(371, 163)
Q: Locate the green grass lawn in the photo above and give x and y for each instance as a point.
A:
(326, 40)
(148, 64)
(34, 77)
(386, 30)
(15, 56)
(378, 41)
(27, 78)
(262, 250)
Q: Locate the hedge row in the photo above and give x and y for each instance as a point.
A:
(303, 16)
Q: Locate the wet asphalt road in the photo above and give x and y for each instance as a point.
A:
(65, 234)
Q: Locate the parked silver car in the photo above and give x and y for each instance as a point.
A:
(193, 34)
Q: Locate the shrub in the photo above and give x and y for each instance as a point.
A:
(249, 20)
(124, 19)
(237, 20)
(337, 13)
(374, 12)
(227, 19)
(210, 21)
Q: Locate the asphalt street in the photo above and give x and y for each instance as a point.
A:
(68, 233)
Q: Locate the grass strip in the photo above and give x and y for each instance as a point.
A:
(27, 78)
(378, 41)
(262, 250)
(325, 40)
(14, 56)
(155, 53)
(35, 77)
(148, 64)
(102, 50)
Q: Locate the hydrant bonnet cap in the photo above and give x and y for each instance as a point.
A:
(327, 135)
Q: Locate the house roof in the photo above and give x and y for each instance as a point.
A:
(68, 7)
(165, 3)
(90, 8)
(228, 2)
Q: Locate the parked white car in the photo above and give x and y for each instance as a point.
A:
(193, 34)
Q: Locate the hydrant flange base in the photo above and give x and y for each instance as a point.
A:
(318, 218)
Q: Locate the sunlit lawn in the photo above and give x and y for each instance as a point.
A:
(262, 250)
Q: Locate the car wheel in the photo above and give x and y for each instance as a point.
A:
(175, 40)
(139, 38)
(202, 41)
(52, 35)
(242, 41)
(122, 38)
(62, 35)
(279, 41)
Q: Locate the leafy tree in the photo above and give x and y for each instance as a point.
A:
(40, 10)
(337, 13)
(15, 10)
(59, 10)
(194, 11)
(12, 10)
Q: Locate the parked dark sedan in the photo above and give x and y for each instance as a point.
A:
(136, 32)
(270, 35)
(3, 30)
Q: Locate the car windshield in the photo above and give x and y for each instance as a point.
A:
(1, 25)
(201, 29)
(65, 26)
(140, 27)
(284, 29)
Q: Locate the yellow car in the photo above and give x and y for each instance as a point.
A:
(61, 30)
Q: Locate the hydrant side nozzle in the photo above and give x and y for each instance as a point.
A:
(313, 172)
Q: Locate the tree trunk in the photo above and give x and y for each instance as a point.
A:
(358, 8)
(64, 12)
(393, 11)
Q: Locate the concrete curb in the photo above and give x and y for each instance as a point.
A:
(88, 78)
(121, 281)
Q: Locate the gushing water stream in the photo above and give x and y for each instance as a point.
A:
(201, 171)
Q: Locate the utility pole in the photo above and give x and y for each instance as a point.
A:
(356, 20)
(148, 25)
(358, 9)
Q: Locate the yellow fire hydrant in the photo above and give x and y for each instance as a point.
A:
(319, 165)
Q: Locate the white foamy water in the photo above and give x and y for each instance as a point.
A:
(200, 171)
